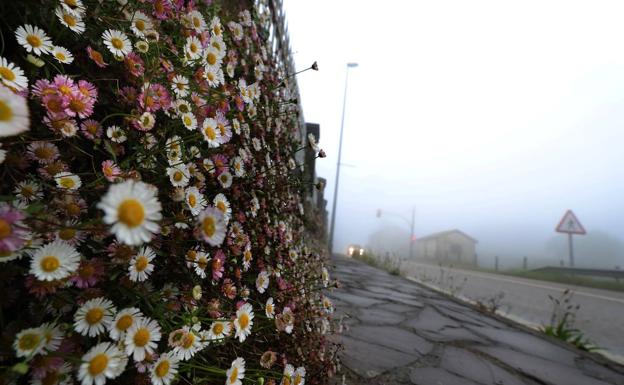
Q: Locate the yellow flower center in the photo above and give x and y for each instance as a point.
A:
(234, 375)
(221, 206)
(61, 56)
(98, 364)
(5, 229)
(269, 308)
(72, 209)
(189, 339)
(6, 112)
(211, 76)
(34, 41)
(210, 133)
(178, 176)
(192, 200)
(162, 369)
(27, 191)
(67, 234)
(50, 263)
(218, 328)
(141, 263)
(77, 105)
(131, 213)
(69, 20)
(67, 183)
(94, 315)
(209, 226)
(141, 337)
(124, 322)
(7, 74)
(297, 379)
(202, 263)
(243, 320)
(196, 22)
(29, 341)
(117, 43)
(211, 58)
(286, 380)
(193, 48)
(140, 25)
(71, 3)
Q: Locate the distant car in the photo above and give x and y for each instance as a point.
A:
(355, 250)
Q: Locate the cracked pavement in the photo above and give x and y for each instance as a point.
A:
(399, 332)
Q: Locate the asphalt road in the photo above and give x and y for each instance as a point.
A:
(600, 316)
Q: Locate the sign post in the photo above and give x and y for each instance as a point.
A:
(570, 225)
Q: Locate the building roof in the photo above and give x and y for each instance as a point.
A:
(447, 232)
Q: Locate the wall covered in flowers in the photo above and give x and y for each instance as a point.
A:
(152, 221)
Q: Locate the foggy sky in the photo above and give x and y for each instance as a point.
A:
(492, 117)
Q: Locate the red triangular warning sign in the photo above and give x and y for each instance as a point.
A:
(570, 224)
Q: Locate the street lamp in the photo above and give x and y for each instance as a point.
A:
(410, 224)
(333, 217)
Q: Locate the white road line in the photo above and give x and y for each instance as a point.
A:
(576, 292)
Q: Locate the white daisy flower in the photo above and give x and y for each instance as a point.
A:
(236, 372)
(182, 106)
(142, 338)
(140, 23)
(123, 320)
(220, 329)
(94, 317)
(239, 166)
(299, 376)
(262, 282)
(103, 361)
(147, 121)
(243, 322)
(14, 116)
(219, 44)
(195, 200)
(180, 85)
(173, 147)
(325, 276)
(29, 342)
(70, 20)
(28, 191)
(52, 335)
(133, 209)
(222, 203)
(247, 257)
(55, 260)
(74, 6)
(269, 308)
(188, 345)
(215, 26)
(62, 55)
(178, 175)
(12, 76)
(67, 181)
(236, 29)
(142, 46)
(117, 42)
(34, 39)
(116, 134)
(212, 57)
(193, 48)
(211, 132)
(197, 21)
(225, 179)
(214, 76)
(211, 226)
(164, 369)
(141, 265)
(201, 263)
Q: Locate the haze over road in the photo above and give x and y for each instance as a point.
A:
(600, 317)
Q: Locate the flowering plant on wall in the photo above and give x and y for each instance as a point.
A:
(151, 209)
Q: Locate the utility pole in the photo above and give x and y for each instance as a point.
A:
(333, 216)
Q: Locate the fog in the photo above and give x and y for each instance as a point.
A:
(492, 117)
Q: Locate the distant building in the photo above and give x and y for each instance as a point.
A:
(452, 246)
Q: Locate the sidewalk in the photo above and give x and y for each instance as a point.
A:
(398, 332)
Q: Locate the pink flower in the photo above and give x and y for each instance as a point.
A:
(87, 89)
(221, 163)
(91, 129)
(110, 170)
(217, 265)
(162, 9)
(228, 288)
(96, 57)
(12, 231)
(134, 64)
(154, 97)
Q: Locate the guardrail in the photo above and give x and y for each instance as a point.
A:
(617, 274)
